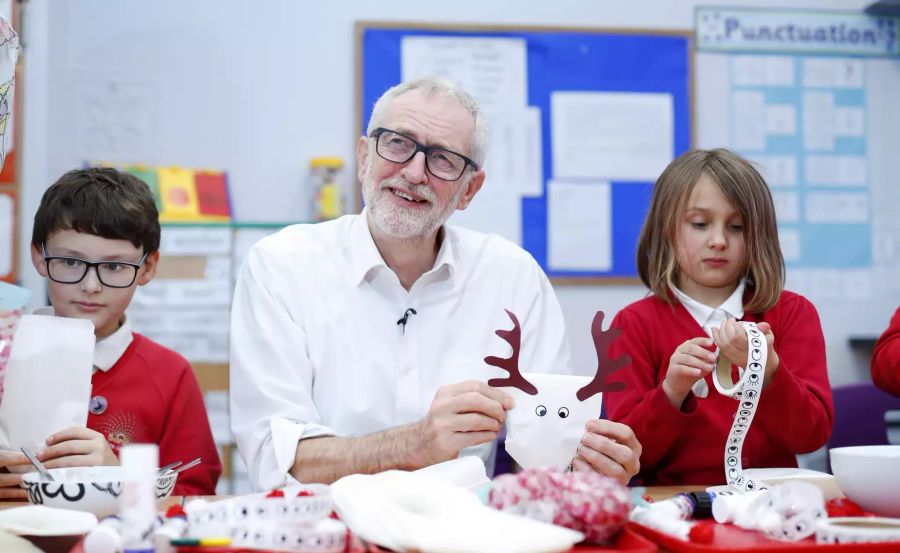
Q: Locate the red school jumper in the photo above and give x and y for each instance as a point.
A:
(152, 396)
(794, 415)
(886, 358)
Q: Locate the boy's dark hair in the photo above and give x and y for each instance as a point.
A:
(101, 201)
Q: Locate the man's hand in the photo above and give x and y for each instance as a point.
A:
(688, 364)
(77, 447)
(610, 448)
(9, 482)
(732, 341)
(461, 415)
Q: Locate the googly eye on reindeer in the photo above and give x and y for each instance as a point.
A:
(548, 421)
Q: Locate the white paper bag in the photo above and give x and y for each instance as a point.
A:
(544, 430)
(48, 380)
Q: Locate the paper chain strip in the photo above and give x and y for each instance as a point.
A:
(747, 391)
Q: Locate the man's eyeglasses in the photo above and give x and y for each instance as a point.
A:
(399, 148)
(71, 270)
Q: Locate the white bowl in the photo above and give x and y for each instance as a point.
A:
(92, 489)
(870, 476)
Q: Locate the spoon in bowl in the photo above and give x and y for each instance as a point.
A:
(37, 464)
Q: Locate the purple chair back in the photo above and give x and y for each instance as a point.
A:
(859, 415)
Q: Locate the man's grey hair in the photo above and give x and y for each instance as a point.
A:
(431, 86)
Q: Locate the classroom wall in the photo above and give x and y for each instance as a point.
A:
(257, 88)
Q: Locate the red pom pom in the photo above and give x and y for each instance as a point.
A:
(702, 532)
(175, 511)
(843, 507)
(304, 493)
(275, 493)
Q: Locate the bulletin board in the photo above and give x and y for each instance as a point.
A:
(568, 60)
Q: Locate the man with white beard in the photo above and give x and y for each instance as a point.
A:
(357, 345)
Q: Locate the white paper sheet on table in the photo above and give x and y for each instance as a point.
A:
(47, 381)
(537, 433)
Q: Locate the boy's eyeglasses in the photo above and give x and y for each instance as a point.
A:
(399, 148)
(71, 270)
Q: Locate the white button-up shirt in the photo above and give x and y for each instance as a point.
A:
(316, 349)
(713, 317)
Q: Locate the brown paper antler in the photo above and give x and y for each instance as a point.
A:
(605, 365)
(511, 365)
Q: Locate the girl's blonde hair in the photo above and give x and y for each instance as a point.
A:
(746, 190)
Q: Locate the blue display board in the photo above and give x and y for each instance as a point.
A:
(571, 60)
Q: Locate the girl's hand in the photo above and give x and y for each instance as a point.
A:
(9, 482)
(77, 447)
(732, 341)
(690, 362)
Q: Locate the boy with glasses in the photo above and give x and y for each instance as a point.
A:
(96, 238)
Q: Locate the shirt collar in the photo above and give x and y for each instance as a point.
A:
(109, 350)
(366, 256)
(708, 317)
(364, 252)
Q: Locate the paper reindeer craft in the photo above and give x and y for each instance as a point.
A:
(548, 421)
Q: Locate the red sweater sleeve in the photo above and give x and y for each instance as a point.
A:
(796, 408)
(643, 404)
(186, 435)
(886, 358)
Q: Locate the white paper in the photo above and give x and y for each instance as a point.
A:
(749, 109)
(837, 207)
(579, 226)
(493, 70)
(789, 239)
(779, 70)
(6, 234)
(611, 135)
(787, 206)
(777, 170)
(195, 241)
(514, 157)
(832, 72)
(48, 379)
(544, 430)
(827, 170)
(818, 72)
(849, 121)
(762, 71)
(514, 169)
(781, 119)
(496, 209)
(818, 121)
(748, 70)
(849, 73)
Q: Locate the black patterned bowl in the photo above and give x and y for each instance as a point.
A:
(91, 489)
